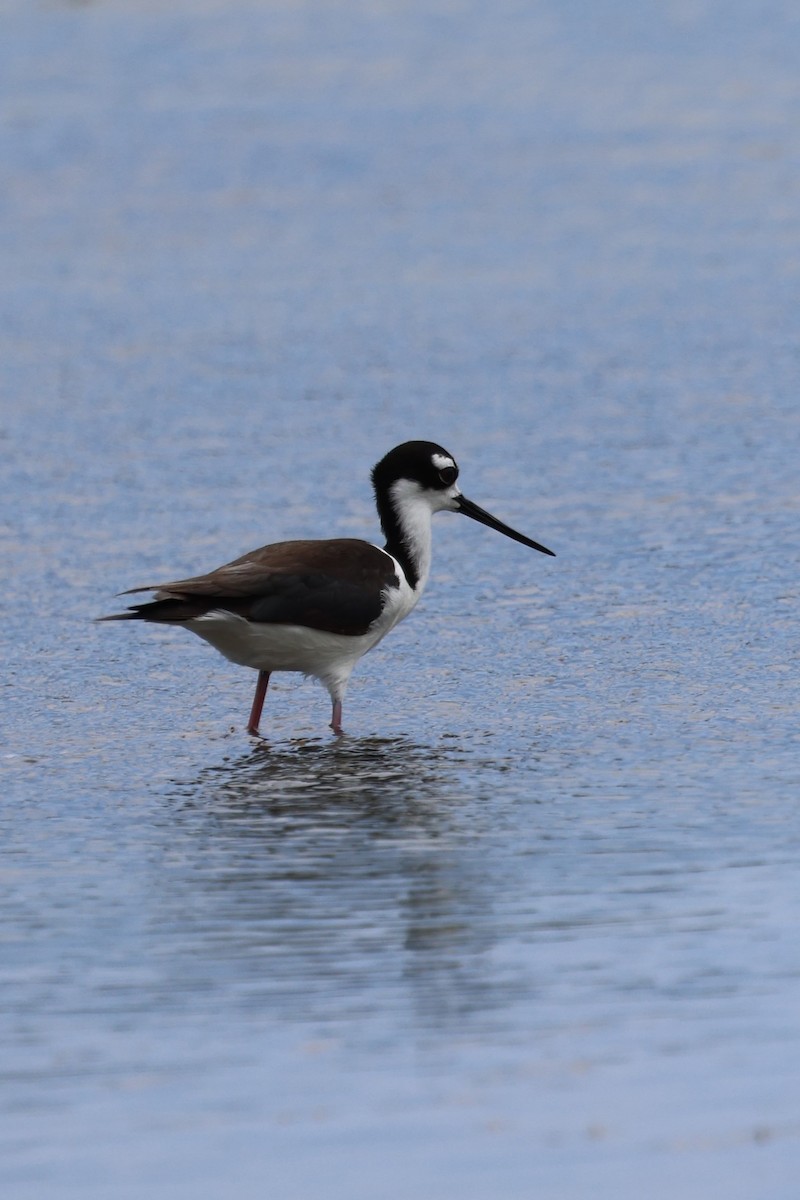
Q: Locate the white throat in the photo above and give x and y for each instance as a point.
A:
(414, 507)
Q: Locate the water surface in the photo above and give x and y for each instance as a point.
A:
(529, 928)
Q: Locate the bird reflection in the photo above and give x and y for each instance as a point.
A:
(318, 775)
(328, 879)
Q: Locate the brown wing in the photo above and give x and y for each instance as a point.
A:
(335, 585)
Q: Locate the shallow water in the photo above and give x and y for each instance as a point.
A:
(530, 927)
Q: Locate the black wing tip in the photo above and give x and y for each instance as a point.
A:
(131, 614)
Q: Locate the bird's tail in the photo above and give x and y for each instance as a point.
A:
(172, 610)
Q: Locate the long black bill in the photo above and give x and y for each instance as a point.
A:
(469, 509)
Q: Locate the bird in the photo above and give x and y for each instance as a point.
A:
(317, 607)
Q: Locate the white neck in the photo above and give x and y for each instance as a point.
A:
(413, 510)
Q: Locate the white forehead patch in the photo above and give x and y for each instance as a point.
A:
(440, 461)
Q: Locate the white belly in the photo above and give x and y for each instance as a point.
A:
(278, 647)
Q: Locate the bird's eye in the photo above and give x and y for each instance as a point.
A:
(448, 475)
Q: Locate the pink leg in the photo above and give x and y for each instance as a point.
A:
(258, 702)
(336, 717)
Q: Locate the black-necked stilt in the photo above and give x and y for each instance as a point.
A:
(318, 606)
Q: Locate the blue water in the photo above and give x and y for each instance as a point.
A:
(529, 929)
